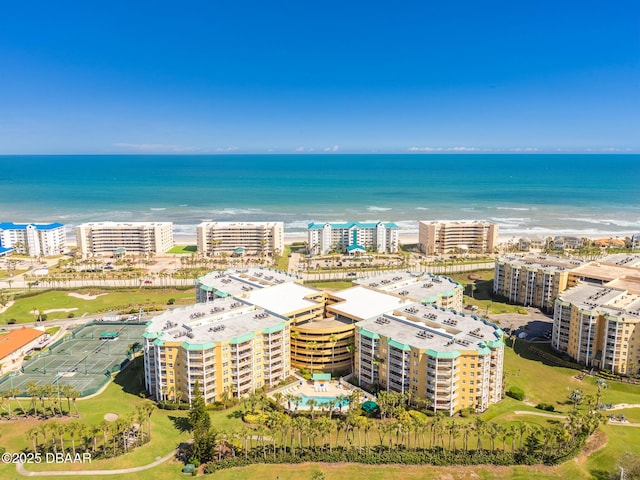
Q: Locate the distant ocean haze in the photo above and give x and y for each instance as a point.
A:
(543, 195)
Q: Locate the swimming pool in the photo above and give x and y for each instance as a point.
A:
(322, 401)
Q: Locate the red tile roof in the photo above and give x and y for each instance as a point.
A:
(16, 339)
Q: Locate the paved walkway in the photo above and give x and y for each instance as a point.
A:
(539, 414)
(621, 406)
(22, 471)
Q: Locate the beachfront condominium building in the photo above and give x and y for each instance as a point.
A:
(230, 348)
(448, 360)
(597, 321)
(99, 238)
(352, 237)
(33, 239)
(437, 238)
(252, 238)
(322, 324)
(318, 340)
(532, 280)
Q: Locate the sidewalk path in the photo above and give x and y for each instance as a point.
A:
(22, 471)
(539, 414)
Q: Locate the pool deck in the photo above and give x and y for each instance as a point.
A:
(319, 389)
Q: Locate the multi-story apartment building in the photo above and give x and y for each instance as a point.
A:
(98, 238)
(532, 280)
(447, 359)
(352, 237)
(33, 239)
(450, 237)
(227, 346)
(253, 238)
(318, 340)
(418, 287)
(322, 324)
(597, 320)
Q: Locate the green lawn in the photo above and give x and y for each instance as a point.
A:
(331, 285)
(184, 249)
(119, 397)
(283, 260)
(106, 301)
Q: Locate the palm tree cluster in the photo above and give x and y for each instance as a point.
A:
(45, 401)
(106, 439)
(399, 434)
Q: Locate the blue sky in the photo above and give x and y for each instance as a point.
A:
(302, 76)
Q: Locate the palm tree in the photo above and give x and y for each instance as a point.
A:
(523, 428)
(351, 350)
(74, 428)
(32, 434)
(58, 429)
(294, 337)
(601, 384)
(333, 340)
(312, 345)
(480, 427)
(311, 403)
(576, 397)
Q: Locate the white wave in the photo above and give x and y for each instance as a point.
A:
(562, 231)
(609, 222)
(238, 211)
(183, 205)
(157, 209)
(518, 209)
(373, 208)
(297, 225)
(184, 230)
(508, 221)
(422, 208)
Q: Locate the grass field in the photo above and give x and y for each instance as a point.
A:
(184, 249)
(331, 285)
(106, 301)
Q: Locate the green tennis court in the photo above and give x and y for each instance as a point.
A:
(85, 359)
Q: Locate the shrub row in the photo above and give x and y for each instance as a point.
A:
(516, 392)
(546, 407)
(382, 456)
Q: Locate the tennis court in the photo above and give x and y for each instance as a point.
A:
(85, 359)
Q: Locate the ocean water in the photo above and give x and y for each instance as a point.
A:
(524, 194)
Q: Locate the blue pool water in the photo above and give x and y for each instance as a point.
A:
(322, 401)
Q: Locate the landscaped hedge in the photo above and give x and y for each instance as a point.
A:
(516, 392)
(546, 407)
(383, 456)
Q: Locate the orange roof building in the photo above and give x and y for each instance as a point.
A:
(609, 242)
(16, 340)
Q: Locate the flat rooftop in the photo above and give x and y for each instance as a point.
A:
(360, 302)
(240, 224)
(427, 327)
(285, 298)
(222, 320)
(604, 299)
(241, 281)
(542, 262)
(124, 224)
(606, 271)
(626, 259)
(417, 286)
